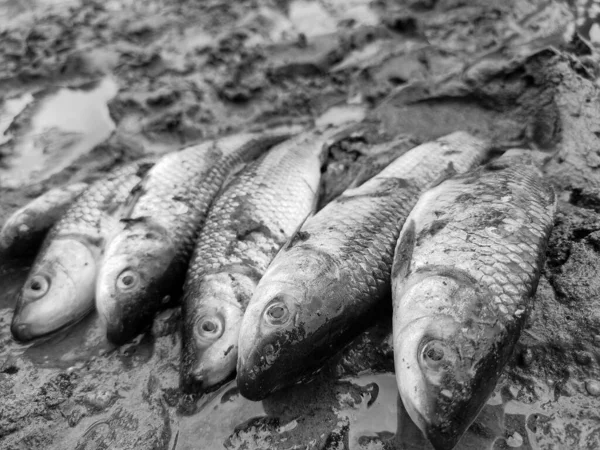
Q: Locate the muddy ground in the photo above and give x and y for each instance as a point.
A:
(85, 85)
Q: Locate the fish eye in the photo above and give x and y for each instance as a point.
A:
(37, 286)
(436, 355)
(277, 313)
(209, 327)
(128, 279)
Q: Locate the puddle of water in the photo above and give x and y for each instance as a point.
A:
(377, 416)
(220, 413)
(61, 127)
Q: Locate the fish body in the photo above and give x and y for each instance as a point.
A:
(320, 288)
(144, 265)
(25, 228)
(248, 223)
(465, 269)
(59, 289)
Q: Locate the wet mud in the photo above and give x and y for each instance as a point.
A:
(85, 85)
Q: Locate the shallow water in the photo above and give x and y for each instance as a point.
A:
(55, 129)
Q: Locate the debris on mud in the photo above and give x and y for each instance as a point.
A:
(87, 84)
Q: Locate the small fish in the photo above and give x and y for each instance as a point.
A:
(248, 223)
(24, 230)
(335, 271)
(144, 266)
(59, 289)
(466, 266)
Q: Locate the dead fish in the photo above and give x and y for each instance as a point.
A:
(59, 289)
(144, 265)
(466, 265)
(335, 271)
(25, 228)
(249, 222)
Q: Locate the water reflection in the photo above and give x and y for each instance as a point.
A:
(53, 130)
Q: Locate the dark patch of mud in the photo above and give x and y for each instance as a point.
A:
(513, 72)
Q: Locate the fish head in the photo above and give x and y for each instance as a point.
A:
(59, 289)
(446, 361)
(132, 278)
(285, 328)
(211, 330)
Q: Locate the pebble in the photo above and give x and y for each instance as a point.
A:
(593, 387)
(516, 440)
(100, 399)
(583, 358)
(597, 340)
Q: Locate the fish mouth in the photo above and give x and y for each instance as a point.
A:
(21, 331)
(120, 330)
(27, 332)
(121, 327)
(265, 371)
(200, 381)
(253, 384)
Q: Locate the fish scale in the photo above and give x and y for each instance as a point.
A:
(251, 219)
(67, 261)
(144, 265)
(467, 265)
(336, 270)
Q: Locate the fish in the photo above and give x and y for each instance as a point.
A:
(25, 229)
(144, 266)
(335, 271)
(466, 267)
(59, 289)
(247, 225)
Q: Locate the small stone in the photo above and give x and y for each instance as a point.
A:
(597, 340)
(99, 400)
(583, 358)
(593, 387)
(446, 393)
(516, 440)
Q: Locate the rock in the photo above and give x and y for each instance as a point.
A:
(514, 440)
(583, 358)
(593, 387)
(99, 400)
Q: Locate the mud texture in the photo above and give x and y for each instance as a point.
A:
(158, 75)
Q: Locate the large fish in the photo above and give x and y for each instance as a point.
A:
(248, 223)
(59, 289)
(467, 263)
(144, 265)
(25, 228)
(321, 286)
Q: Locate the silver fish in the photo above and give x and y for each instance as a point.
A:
(326, 280)
(249, 222)
(466, 265)
(59, 289)
(26, 227)
(144, 265)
